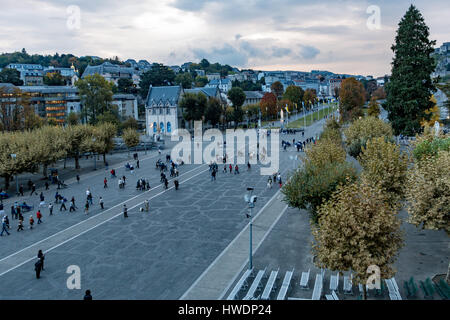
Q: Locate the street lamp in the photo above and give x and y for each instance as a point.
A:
(95, 157)
(250, 199)
(13, 156)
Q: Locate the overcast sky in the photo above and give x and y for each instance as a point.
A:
(260, 34)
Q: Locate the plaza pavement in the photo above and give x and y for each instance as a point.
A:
(156, 255)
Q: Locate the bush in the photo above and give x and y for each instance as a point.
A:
(385, 166)
(428, 192)
(430, 147)
(361, 130)
(310, 186)
(325, 151)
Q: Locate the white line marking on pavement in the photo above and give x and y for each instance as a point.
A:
(102, 213)
(227, 247)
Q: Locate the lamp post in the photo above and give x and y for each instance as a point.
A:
(251, 204)
(95, 157)
(13, 156)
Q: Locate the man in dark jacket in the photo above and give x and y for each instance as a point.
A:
(38, 268)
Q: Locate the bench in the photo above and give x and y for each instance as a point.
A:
(410, 287)
(427, 288)
(285, 286)
(443, 289)
(317, 292)
(255, 285)
(304, 280)
(334, 282)
(240, 284)
(347, 285)
(270, 286)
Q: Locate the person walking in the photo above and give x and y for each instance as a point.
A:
(78, 178)
(38, 268)
(4, 227)
(125, 211)
(39, 217)
(105, 183)
(87, 295)
(46, 185)
(41, 257)
(176, 183)
(166, 183)
(236, 169)
(231, 168)
(63, 204)
(213, 175)
(146, 205)
(41, 197)
(72, 206)
(31, 222)
(30, 184)
(33, 189)
(86, 207)
(101, 203)
(13, 212)
(21, 190)
(20, 225)
(50, 208)
(137, 164)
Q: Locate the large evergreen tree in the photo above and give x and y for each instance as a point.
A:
(410, 86)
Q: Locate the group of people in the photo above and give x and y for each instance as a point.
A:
(275, 179)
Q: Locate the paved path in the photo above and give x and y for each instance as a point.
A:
(147, 256)
(215, 281)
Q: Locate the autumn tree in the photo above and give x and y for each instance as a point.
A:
(379, 94)
(103, 138)
(52, 145)
(277, 89)
(309, 98)
(410, 86)
(385, 166)
(374, 108)
(130, 137)
(357, 228)
(268, 105)
(75, 137)
(352, 98)
(54, 79)
(193, 106)
(433, 114)
(361, 130)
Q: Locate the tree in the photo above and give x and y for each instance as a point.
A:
(130, 137)
(103, 135)
(309, 97)
(268, 105)
(130, 122)
(75, 137)
(374, 108)
(54, 79)
(185, 80)
(24, 146)
(193, 106)
(433, 112)
(10, 76)
(14, 106)
(361, 130)
(201, 81)
(95, 95)
(352, 97)
(52, 145)
(311, 185)
(125, 85)
(236, 96)
(277, 89)
(204, 63)
(111, 116)
(379, 94)
(410, 87)
(73, 119)
(159, 75)
(213, 111)
(294, 94)
(384, 165)
(357, 228)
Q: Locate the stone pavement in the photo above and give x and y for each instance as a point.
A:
(156, 255)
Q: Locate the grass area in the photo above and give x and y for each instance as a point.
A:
(317, 115)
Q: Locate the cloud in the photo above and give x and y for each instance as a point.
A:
(308, 52)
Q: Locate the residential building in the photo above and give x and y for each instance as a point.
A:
(253, 97)
(110, 72)
(126, 104)
(212, 92)
(200, 72)
(224, 84)
(333, 84)
(213, 76)
(30, 74)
